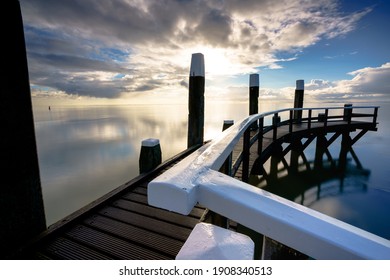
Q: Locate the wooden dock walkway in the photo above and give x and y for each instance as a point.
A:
(121, 225)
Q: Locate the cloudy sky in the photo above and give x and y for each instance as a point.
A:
(140, 50)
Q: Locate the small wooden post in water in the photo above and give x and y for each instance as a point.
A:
(22, 213)
(196, 100)
(254, 83)
(298, 99)
(150, 156)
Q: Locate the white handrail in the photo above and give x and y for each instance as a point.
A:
(196, 179)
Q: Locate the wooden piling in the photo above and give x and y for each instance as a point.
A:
(21, 204)
(150, 155)
(296, 151)
(196, 101)
(254, 83)
(347, 112)
(321, 147)
(298, 99)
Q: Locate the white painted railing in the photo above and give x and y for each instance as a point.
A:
(196, 180)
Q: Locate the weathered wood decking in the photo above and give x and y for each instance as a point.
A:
(121, 225)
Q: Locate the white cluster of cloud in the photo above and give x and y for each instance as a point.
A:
(365, 83)
(122, 48)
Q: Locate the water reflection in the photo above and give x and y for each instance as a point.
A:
(85, 152)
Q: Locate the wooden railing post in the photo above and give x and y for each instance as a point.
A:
(275, 122)
(290, 121)
(227, 166)
(260, 137)
(326, 118)
(246, 154)
(375, 117)
(309, 120)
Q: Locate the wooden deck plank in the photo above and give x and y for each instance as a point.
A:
(155, 241)
(154, 225)
(111, 245)
(196, 212)
(156, 213)
(65, 249)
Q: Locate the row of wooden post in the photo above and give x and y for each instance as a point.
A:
(195, 135)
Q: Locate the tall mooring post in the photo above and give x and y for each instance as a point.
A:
(254, 84)
(22, 213)
(298, 99)
(196, 100)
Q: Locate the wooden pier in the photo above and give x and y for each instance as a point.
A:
(122, 225)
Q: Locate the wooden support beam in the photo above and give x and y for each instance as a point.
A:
(357, 137)
(354, 156)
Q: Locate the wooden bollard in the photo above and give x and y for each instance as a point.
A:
(298, 99)
(150, 156)
(196, 101)
(22, 212)
(227, 124)
(254, 84)
(347, 112)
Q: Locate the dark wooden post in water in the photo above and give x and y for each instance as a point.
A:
(196, 100)
(298, 99)
(254, 84)
(22, 213)
(150, 156)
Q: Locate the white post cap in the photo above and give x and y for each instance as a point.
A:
(300, 85)
(197, 65)
(150, 142)
(254, 80)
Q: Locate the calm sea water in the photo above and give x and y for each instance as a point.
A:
(86, 151)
